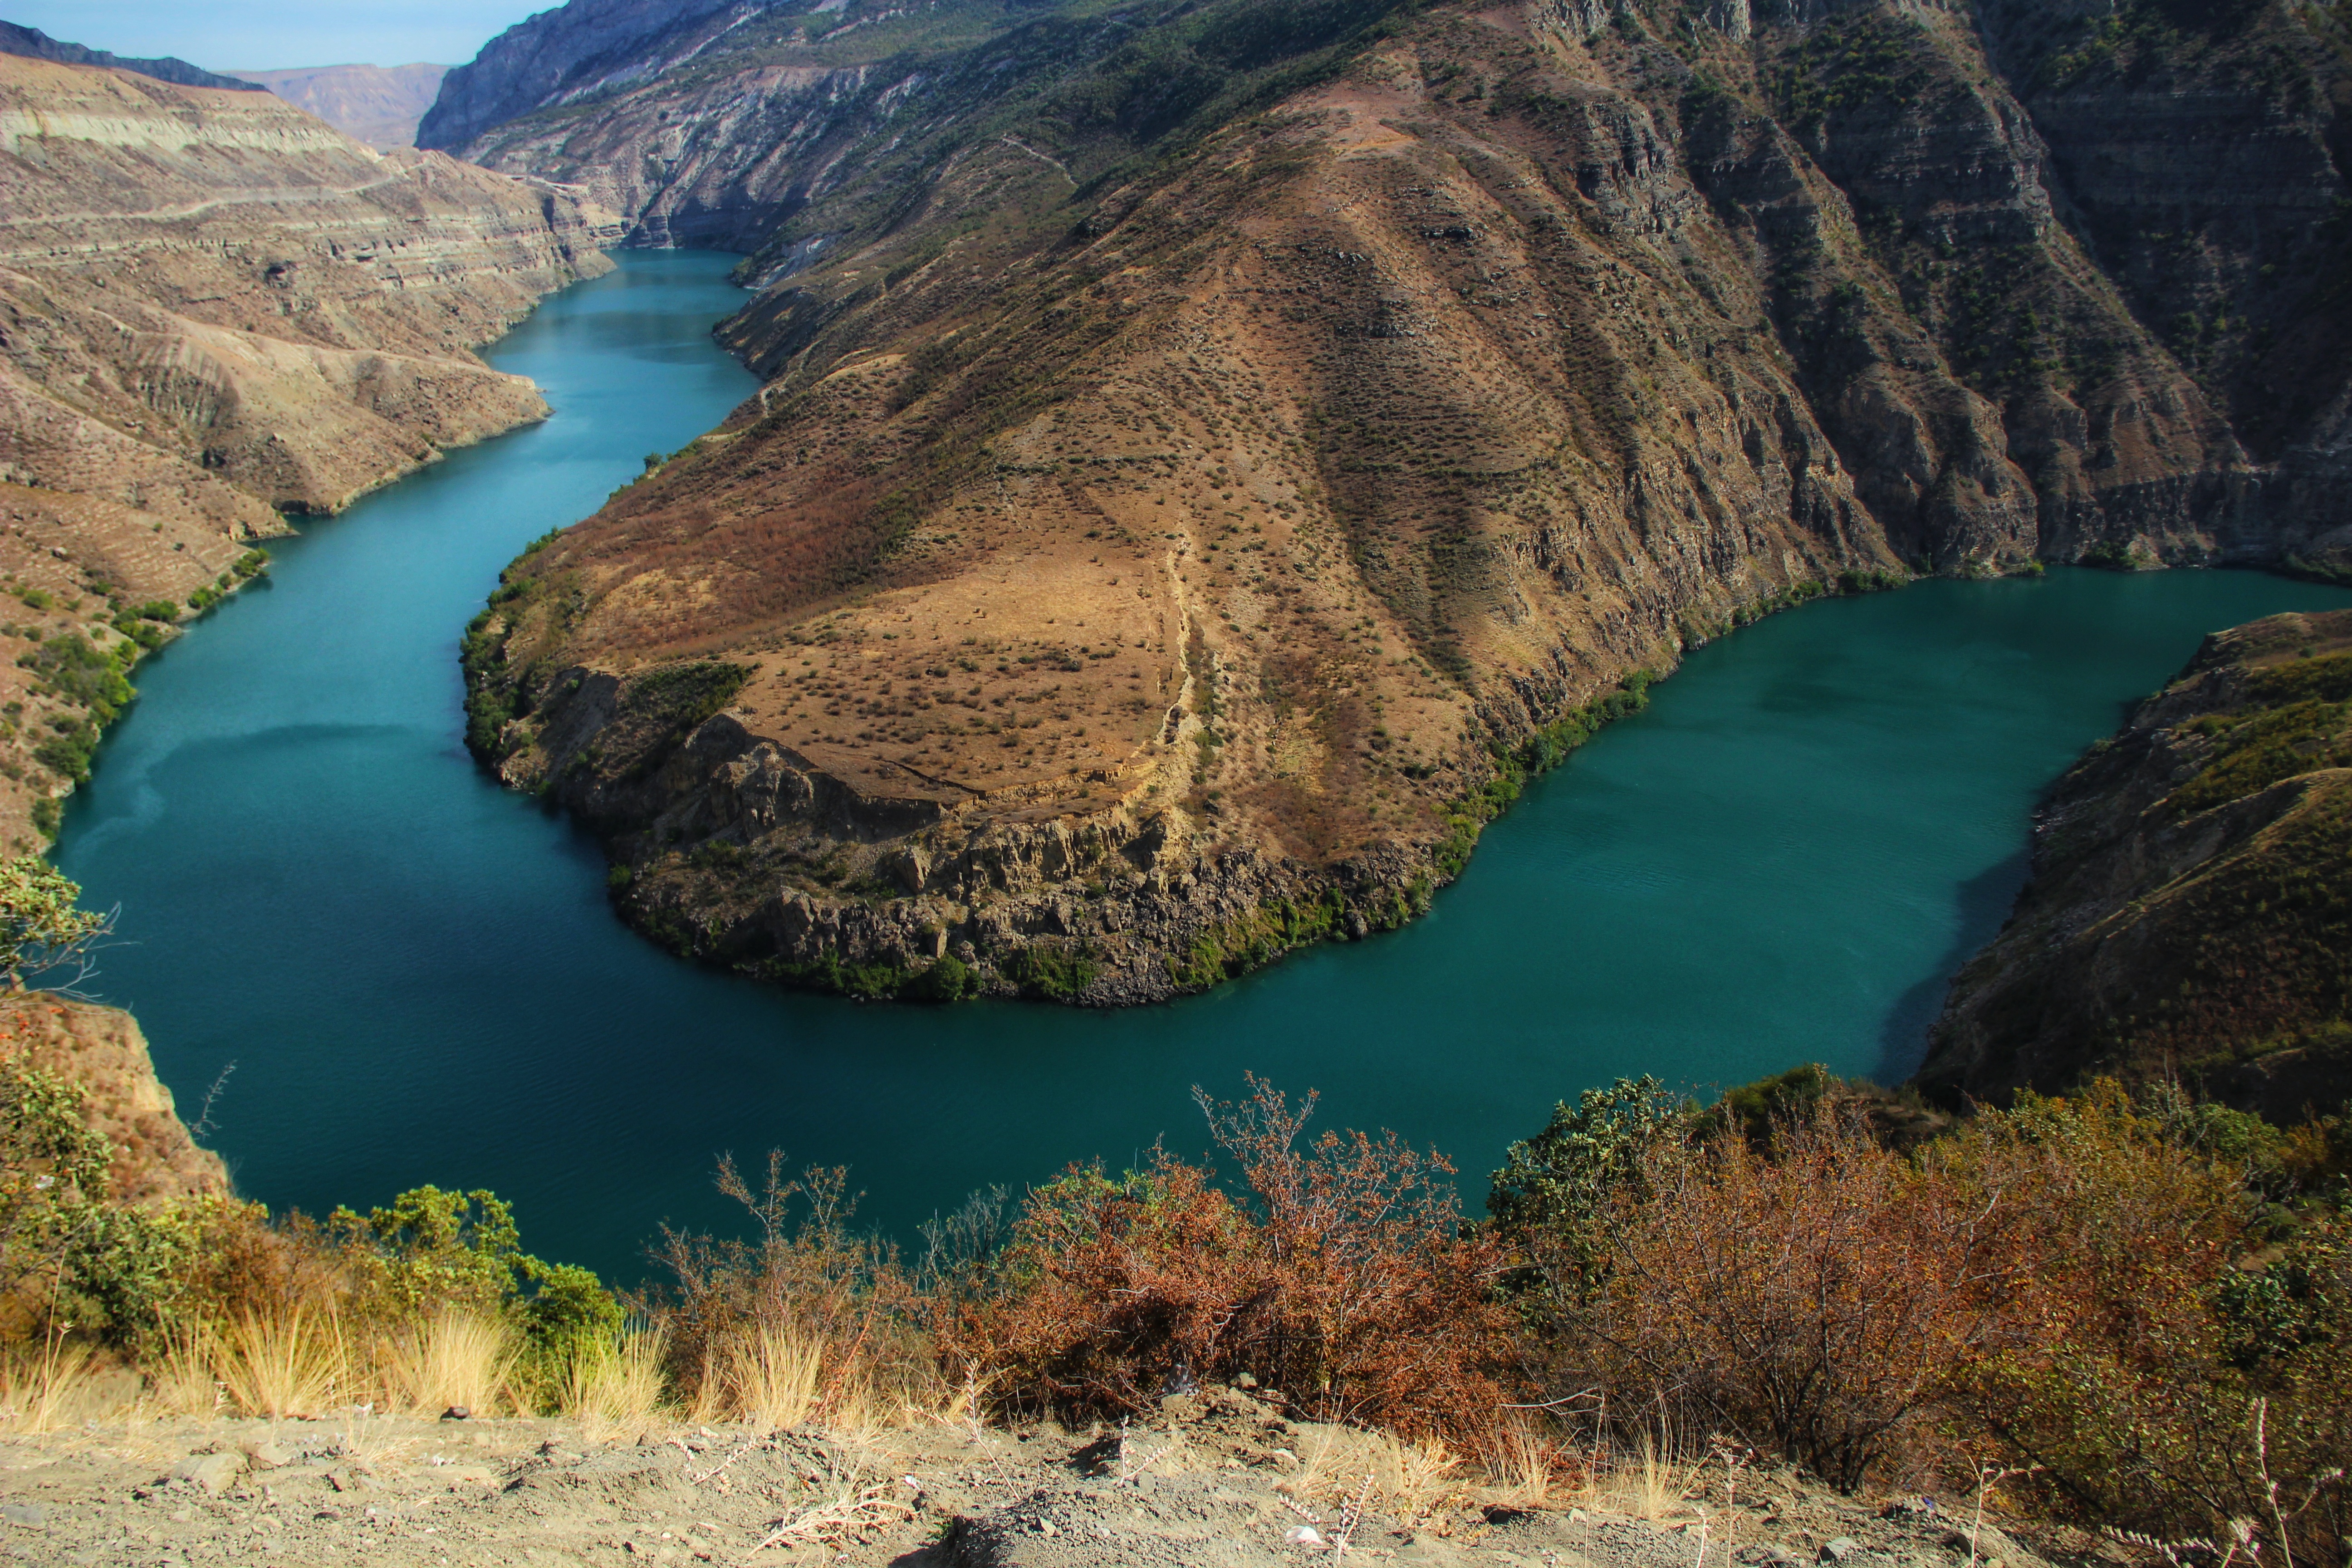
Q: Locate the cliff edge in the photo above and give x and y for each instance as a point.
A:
(101, 1051)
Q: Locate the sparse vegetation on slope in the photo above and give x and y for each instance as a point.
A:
(1210, 450)
(2190, 913)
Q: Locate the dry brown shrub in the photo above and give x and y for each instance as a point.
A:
(2176, 1369)
(812, 1321)
(1348, 1284)
(1818, 1298)
(240, 1264)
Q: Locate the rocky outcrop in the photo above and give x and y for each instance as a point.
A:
(216, 310)
(100, 1051)
(375, 104)
(574, 52)
(1274, 439)
(2190, 915)
(2201, 154)
(719, 165)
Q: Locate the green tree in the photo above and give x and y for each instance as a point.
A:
(1552, 1194)
(433, 1249)
(41, 925)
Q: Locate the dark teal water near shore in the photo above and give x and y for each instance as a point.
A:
(418, 980)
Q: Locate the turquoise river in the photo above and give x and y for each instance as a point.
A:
(417, 978)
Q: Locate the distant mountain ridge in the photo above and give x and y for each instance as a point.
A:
(380, 105)
(34, 44)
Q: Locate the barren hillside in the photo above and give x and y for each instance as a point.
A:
(378, 105)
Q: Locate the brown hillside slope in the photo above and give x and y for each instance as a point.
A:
(102, 1052)
(214, 309)
(1140, 564)
(2190, 909)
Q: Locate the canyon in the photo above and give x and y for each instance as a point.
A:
(218, 313)
(1207, 460)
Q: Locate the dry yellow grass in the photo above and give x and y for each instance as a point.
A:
(455, 1359)
(182, 1380)
(614, 1387)
(1407, 1479)
(1524, 1471)
(772, 1376)
(295, 1365)
(43, 1389)
(1643, 1481)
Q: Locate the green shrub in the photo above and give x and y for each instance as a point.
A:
(82, 672)
(68, 756)
(1553, 1193)
(1056, 974)
(947, 980)
(57, 1174)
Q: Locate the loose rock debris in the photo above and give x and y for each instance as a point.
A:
(1218, 1480)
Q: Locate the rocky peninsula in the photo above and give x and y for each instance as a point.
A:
(2187, 917)
(1177, 518)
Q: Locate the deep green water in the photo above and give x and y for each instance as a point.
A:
(418, 980)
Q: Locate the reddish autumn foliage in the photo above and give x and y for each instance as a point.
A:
(1346, 1282)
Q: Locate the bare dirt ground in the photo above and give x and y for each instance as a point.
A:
(1218, 1478)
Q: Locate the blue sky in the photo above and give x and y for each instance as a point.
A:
(272, 34)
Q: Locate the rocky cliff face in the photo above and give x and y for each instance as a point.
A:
(2190, 915)
(215, 310)
(572, 52)
(1209, 452)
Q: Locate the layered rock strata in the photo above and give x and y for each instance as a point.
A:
(2190, 914)
(215, 312)
(1205, 461)
(572, 52)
